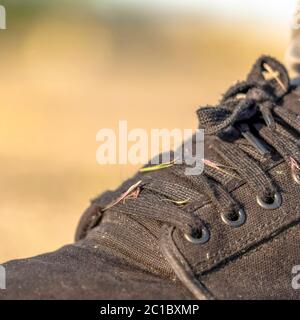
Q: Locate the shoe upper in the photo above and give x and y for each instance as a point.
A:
(231, 232)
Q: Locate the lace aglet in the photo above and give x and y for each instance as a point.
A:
(255, 142)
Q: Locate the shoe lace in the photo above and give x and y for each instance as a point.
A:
(247, 126)
(247, 130)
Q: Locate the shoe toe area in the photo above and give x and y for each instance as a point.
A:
(77, 272)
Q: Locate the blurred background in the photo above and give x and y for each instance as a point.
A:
(70, 68)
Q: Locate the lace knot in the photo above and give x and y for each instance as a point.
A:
(245, 100)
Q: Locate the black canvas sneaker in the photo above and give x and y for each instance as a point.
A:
(230, 233)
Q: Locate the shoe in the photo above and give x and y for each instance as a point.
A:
(230, 233)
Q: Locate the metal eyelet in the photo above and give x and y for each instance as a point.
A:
(205, 236)
(277, 200)
(235, 223)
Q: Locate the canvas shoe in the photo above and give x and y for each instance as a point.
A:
(230, 233)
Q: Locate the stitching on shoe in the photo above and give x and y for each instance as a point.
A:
(253, 251)
(234, 246)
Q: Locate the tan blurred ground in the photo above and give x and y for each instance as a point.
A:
(62, 81)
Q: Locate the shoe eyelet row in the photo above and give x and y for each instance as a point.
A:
(238, 219)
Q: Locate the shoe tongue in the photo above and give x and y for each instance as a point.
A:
(270, 73)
